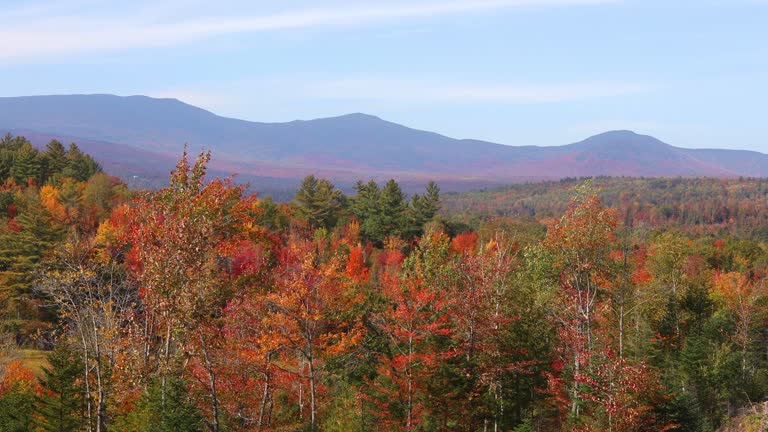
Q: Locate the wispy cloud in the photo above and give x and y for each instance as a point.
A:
(366, 92)
(43, 33)
(410, 91)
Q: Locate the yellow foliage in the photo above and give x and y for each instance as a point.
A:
(49, 198)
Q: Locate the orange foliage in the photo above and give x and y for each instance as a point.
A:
(19, 376)
(464, 243)
(49, 199)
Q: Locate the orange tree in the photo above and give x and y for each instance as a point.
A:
(180, 238)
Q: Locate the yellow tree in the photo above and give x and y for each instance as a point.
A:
(581, 242)
(743, 299)
(307, 314)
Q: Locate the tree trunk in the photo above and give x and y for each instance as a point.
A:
(86, 381)
(211, 385)
(265, 398)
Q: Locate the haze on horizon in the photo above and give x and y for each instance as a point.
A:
(521, 72)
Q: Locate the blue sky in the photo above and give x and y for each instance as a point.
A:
(693, 73)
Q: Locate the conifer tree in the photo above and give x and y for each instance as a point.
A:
(55, 157)
(79, 165)
(365, 207)
(20, 254)
(423, 208)
(16, 408)
(60, 407)
(27, 164)
(392, 211)
(318, 202)
(168, 410)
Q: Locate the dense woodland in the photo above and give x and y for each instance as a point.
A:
(537, 308)
(701, 206)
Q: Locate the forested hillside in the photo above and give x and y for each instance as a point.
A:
(202, 307)
(733, 207)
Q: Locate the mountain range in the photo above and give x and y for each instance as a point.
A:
(139, 139)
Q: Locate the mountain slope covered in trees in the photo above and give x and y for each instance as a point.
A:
(123, 132)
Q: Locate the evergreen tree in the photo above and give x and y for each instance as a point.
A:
(16, 409)
(318, 202)
(423, 208)
(158, 412)
(392, 212)
(9, 148)
(60, 408)
(27, 164)
(382, 212)
(79, 165)
(55, 157)
(20, 253)
(365, 207)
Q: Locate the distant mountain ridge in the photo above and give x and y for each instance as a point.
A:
(142, 136)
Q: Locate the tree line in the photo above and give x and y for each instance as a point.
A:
(700, 206)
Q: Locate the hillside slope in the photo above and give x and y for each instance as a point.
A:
(145, 135)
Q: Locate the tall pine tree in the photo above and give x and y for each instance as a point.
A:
(318, 202)
(60, 407)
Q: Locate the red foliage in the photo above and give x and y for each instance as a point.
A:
(356, 269)
(464, 243)
(19, 377)
(415, 316)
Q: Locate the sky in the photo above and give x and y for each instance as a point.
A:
(693, 73)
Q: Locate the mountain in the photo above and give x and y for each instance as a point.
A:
(141, 137)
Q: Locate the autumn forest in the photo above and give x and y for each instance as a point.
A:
(610, 304)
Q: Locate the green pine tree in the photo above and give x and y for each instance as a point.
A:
(423, 208)
(79, 165)
(27, 165)
(155, 412)
(60, 408)
(16, 409)
(55, 157)
(365, 207)
(392, 210)
(20, 253)
(318, 202)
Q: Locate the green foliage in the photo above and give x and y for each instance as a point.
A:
(79, 165)
(17, 407)
(23, 163)
(318, 203)
(423, 208)
(27, 164)
(385, 211)
(366, 208)
(20, 254)
(60, 407)
(158, 410)
(55, 157)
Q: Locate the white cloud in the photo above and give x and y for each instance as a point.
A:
(409, 91)
(360, 94)
(57, 32)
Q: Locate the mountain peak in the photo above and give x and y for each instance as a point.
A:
(350, 146)
(356, 117)
(622, 138)
(360, 115)
(618, 133)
